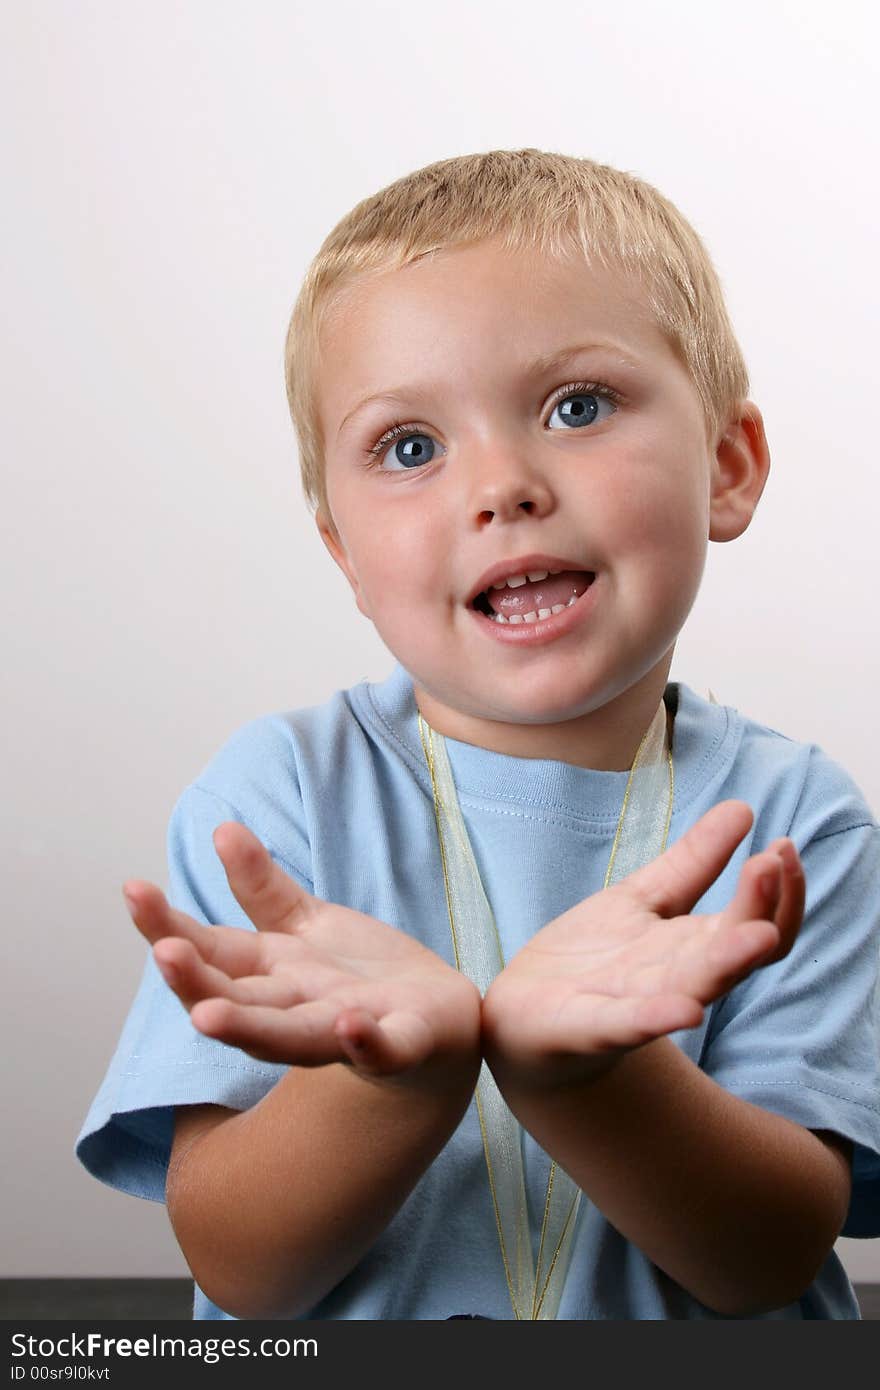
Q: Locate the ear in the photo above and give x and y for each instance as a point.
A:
(332, 540)
(739, 472)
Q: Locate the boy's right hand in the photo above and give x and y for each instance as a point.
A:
(316, 982)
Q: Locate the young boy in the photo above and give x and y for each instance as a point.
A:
(524, 983)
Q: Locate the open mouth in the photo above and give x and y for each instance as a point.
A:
(535, 600)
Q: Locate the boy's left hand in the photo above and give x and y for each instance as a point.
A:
(630, 964)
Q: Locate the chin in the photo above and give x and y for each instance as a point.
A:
(543, 702)
(535, 710)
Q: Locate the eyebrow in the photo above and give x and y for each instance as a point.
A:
(538, 367)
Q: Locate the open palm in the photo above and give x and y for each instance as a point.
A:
(632, 963)
(315, 983)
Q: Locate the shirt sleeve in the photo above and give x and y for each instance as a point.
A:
(161, 1060)
(801, 1037)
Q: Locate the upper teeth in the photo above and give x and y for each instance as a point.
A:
(514, 580)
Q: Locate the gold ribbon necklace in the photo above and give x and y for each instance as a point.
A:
(642, 831)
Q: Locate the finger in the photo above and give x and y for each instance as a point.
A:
(271, 898)
(186, 973)
(234, 950)
(675, 881)
(724, 951)
(757, 892)
(789, 913)
(771, 886)
(401, 1041)
(597, 1023)
(732, 955)
(302, 1036)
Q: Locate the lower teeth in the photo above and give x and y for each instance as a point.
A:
(534, 617)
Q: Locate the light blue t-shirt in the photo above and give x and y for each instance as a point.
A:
(341, 796)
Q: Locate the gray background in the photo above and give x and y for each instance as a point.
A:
(168, 172)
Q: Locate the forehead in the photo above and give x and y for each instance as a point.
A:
(472, 315)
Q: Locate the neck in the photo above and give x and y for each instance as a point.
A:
(605, 739)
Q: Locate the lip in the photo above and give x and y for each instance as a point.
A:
(543, 629)
(521, 564)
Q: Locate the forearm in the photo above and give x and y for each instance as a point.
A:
(273, 1206)
(735, 1204)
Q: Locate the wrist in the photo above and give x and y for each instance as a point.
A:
(518, 1060)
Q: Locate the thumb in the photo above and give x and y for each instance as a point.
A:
(272, 899)
(675, 881)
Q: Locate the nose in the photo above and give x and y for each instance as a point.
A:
(503, 483)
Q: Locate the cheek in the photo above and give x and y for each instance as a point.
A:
(663, 530)
(400, 561)
(370, 535)
(667, 509)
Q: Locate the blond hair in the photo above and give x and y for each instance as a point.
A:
(531, 199)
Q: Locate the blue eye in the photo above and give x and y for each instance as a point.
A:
(578, 404)
(410, 450)
(580, 408)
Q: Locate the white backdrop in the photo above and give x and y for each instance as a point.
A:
(168, 172)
